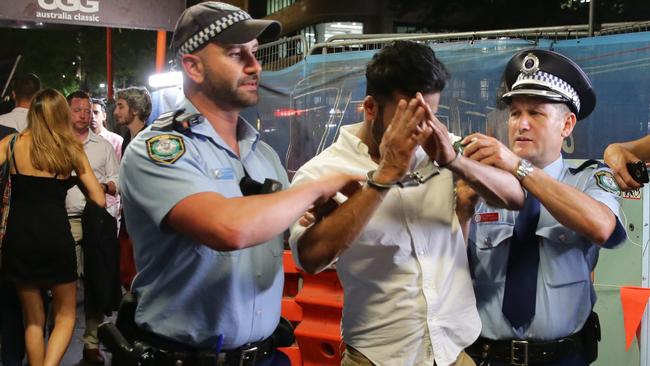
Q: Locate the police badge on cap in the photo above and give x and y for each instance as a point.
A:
(550, 75)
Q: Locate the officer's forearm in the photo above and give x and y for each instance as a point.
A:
(497, 187)
(227, 224)
(580, 213)
(640, 147)
(328, 238)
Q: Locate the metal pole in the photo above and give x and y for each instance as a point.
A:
(160, 50)
(11, 75)
(591, 17)
(109, 64)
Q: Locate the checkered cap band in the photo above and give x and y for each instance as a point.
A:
(202, 37)
(550, 82)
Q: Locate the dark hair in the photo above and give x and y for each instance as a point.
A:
(407, 67)
(26, 86)
(80, 94)
(138, 99)
(100, 102)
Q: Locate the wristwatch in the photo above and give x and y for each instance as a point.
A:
(525, 167)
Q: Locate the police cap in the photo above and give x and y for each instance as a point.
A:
(552, 76)
(215, 21)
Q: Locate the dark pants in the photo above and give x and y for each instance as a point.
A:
(278, 359)
(13, 330)
(576, 360)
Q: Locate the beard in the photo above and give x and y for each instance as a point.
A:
(126, 120)
(220, 92)
(378, 128)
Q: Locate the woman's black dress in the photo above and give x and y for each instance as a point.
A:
(38, 246)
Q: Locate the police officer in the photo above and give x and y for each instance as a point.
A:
(209, 259)
(531, 269)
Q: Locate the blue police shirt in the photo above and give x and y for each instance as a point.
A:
(565, 294)
(187, 291)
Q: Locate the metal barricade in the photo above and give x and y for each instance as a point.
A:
(364, 42)
(282, 53)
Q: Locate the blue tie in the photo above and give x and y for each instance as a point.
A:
(523, 262)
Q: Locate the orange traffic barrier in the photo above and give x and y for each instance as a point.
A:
(290, 309)
(319, 333)
(291, 275)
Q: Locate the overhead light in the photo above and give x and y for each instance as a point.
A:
(102, 85)
(23, 27)
(166, 79)
(345, 25)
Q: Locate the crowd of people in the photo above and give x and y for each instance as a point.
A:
(62, 158)
(451, 250)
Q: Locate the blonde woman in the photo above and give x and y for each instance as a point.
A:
(38, 248)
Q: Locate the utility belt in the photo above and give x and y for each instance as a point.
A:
(134, 346)
(525, 352)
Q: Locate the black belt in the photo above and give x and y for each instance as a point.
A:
(171, 353)
(522, 352)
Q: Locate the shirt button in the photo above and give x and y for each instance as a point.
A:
(259, 274)
(421, 252)
(562, 237)
(258, 312)
(216, 173)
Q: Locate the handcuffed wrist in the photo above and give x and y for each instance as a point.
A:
(452, 160)
(376, 185)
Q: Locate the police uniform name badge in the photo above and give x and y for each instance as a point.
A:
(165, 148)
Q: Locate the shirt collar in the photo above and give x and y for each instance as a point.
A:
(91, 137)
(245, 132)
(555, 168)
(349, 139)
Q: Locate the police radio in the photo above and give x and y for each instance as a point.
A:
(250, 186)
(638, 171)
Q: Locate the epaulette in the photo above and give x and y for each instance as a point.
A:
(176, 120)
(585, 165)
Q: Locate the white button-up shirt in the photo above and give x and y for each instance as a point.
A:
(408, 295)
(105, 166)
(17, 119)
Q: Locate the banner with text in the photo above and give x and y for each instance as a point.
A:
(141, 14)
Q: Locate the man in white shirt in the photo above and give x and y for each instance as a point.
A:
(24, 88)
(106, 168)
(400, 252)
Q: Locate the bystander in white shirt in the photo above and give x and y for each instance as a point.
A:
(105, 167)
(17, 119)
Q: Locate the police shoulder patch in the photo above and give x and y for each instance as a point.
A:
(165, 148)
(606, 181)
